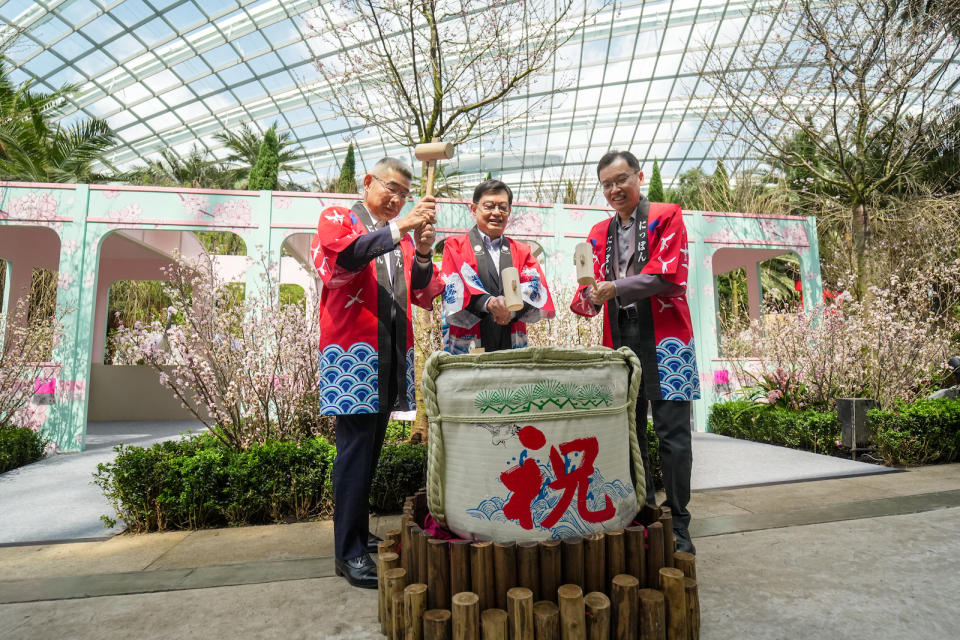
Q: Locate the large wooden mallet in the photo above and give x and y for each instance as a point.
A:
(430, 152)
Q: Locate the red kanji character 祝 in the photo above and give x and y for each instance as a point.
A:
(576, 481)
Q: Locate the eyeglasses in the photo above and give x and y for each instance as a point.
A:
(490, 207)
(392, 187)
(618, 182)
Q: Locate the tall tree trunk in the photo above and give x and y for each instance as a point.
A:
(861, 247)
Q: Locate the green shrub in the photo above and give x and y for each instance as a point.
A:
(653, 453)
(197, 482)
(402, 470)
(19, 446)
(809, 430)
(922, 432)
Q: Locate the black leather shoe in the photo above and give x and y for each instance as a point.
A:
(372, 542)
(684, 543)
(359, 572)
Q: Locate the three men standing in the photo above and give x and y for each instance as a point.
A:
(640, 264)
(372, 270)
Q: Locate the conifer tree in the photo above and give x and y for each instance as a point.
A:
(348, 173)
(656, 184)
(264, 172)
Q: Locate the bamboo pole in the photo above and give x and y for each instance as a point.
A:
(546, 620)
(653, 625)
(573, 624)
(616, 557)
(594, 563)
(393, 535)
(625, 604)
(436, 624)
(686, 562)
(693, 608)
(423, 571)
(551, 569)
(396, 580)
(386, 546)
(573, 561)
(396, 619)
(597, 606)
(481, 573)
(675, 593)
(385, 562)
(459, 566)
(654, 554)
(669, 542)
(405, 543)
(493, 624)
(466, 616)
(528, 567)
(414, 604)
(438, 574)
(636, 554)
(504, 571)
(520, 613)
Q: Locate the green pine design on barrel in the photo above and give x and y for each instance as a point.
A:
(540, 395)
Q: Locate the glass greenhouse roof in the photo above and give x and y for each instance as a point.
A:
(172, 73)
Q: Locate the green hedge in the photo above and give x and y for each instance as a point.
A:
(816, 431)
(196, 482)
(923, 432)
(19, 446)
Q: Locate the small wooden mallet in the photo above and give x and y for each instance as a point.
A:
(430, 152)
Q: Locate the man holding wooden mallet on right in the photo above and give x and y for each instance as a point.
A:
(640, 266)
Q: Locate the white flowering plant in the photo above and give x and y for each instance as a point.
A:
(245, 366)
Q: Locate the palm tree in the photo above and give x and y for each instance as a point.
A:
(244, 147)
(35, 147)
(196, 169)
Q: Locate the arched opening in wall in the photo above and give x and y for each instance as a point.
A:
(781, 283)
(30, 256)
(733, 307)
(222, 243)
(749, 286)
(129, 303)
(299, 280)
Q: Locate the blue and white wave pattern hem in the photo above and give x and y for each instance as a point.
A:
(677, 366)
(348, 379)
(411, 384)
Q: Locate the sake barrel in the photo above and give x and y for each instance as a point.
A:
(534, 443)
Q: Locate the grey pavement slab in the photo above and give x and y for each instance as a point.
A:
(876, 578)
(55, 499)
(722, 462)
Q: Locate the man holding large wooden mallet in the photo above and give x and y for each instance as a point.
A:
(372, 269)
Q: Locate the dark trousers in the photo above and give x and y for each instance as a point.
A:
(671, 421)
(359, 441)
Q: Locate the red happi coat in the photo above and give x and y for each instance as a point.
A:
(668, 346)
(461, 327)
(356, 343)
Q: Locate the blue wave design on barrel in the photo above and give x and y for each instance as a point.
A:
(677, 365)
(349, 379)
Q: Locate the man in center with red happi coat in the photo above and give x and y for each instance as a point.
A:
(475, 313)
